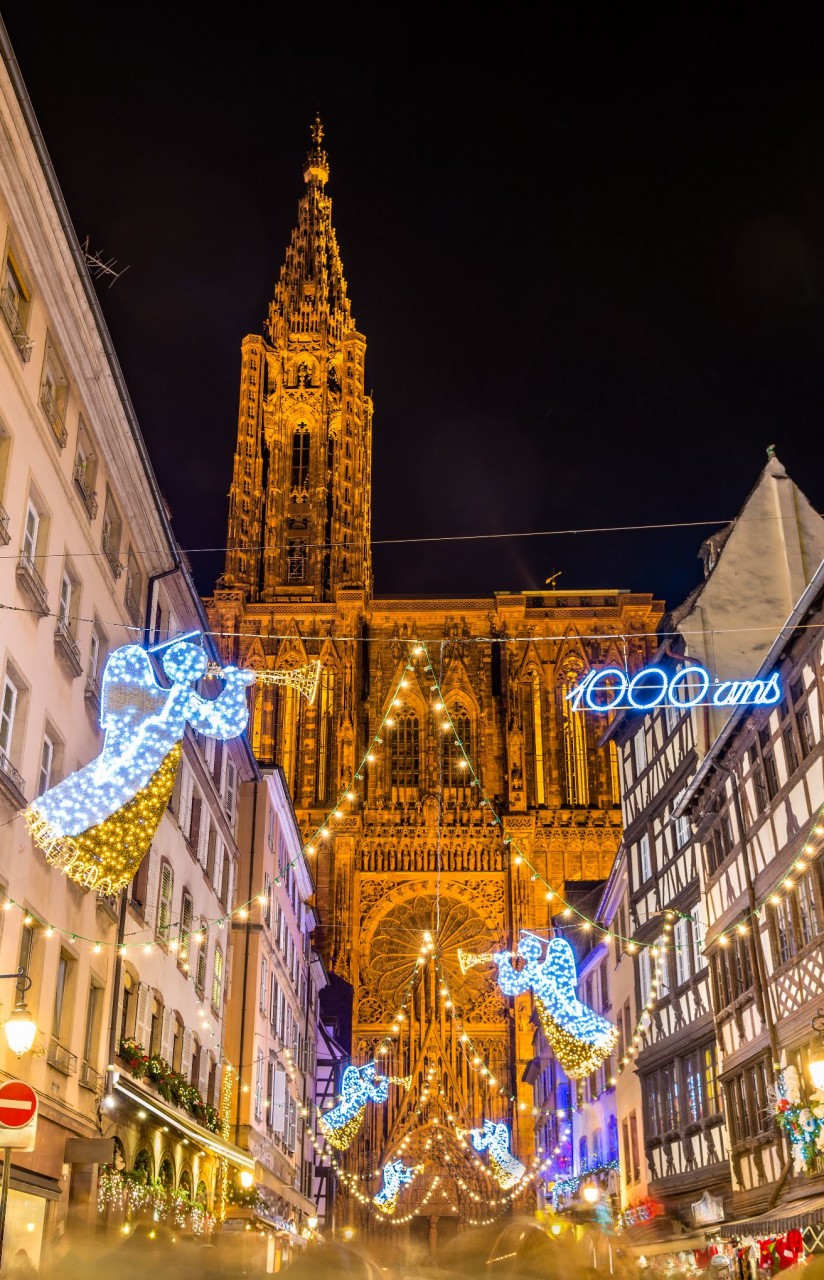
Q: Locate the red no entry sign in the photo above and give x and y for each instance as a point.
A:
(18, 1104)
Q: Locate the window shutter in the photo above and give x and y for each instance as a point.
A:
(167, 1034)
(194, 822)
(185, 803)
(186, 1055)
(152, 884)
(279, 1102)
(203, 1082)
(143, 1017)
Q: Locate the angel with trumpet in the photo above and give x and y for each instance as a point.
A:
(580, 1038)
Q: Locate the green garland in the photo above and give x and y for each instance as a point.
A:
(170, 1084)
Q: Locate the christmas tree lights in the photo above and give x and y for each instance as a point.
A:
(97, 824)
(494, 1138)
(395, 1175)
(579, 1037)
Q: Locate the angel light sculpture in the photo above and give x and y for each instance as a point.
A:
(98, 823)
(358, 1086)
(580, 1038)
(396, 1174)
(494, 1139)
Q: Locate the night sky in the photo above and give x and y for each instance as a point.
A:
(587, 259)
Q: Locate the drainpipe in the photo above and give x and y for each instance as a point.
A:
(248, 930)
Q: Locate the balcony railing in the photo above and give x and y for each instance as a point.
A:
(85, 491)
(90, 1079)
(111, 554)
(61, 1058)
(31, 582)
(10, 774)
(54, 415)
(92, 692)
(66, 647)
(8, 305)
(132, 606)
(4, 526)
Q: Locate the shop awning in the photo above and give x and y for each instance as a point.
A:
(783, 1218)
(207, 1140)
(673, 1244)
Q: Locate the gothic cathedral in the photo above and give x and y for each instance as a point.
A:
(438, 733)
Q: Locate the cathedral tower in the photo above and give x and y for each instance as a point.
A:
(299, 505)
(441, 782)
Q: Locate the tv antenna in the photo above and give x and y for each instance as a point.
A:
(101, 268)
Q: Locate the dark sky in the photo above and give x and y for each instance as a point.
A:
(587, 259)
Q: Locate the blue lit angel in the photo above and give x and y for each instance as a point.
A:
(395, 1175)
(580, 1038)
(98, 823)
(358, 1086)
(494, 1138)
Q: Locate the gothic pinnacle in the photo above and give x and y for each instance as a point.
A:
(317, 163)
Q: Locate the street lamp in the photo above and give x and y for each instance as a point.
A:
(590, 1192)
(20, 1027)
(246, 1179)
(817, 1055)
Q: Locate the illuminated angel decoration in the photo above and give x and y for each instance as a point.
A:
(494, 1139)
(395, 1175)
(358, 1086)
(97, 824)
(580, 1038)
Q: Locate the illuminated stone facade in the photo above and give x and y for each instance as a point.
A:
(413, 846)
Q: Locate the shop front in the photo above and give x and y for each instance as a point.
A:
(774, 1242)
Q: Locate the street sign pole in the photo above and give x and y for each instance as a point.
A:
(4, 1196)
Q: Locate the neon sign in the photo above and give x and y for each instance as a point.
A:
(611, 688)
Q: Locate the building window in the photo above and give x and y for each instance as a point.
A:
(732, 972)
(404, 754)
(217, 979)
(719, 843)
(111, 534)
(759, 786)
(128, 1007)
(15, 302)
(62, 1013)
(54, 393)
(264, 970)
(801, 714)
(639, 752)
(185, 931)
(31, 535)
(796, 918)
(644, 858)
(230, 789)
(768, 761)
(91, 1033)
(457, 751)
(748, 1105)
(156, 1027)
(200, 971)
(325, 736)
(682, 831)
(300, 457)
(259, 1085)
(537, 723)
(574, 734)
(44, 779)
(582, 1154)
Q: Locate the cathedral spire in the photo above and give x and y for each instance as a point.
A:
(317, 163)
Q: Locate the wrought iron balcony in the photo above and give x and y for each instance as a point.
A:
(111, 554)
(33, 585)
(11, 780)
(61, 1058)
(132, 606)
(87, 494)
(90, 1079)
(54, 415)
(92, 692)
(5, 536)
(66, 648)
(8, 305)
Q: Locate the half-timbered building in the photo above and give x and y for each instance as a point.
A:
(756, 803)
(754, 569)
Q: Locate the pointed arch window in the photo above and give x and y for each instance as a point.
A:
(300, 457)
(405, 754)
(574, 735)
(538, 736)
(457, 753)
(325, 704)
(289, 732)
